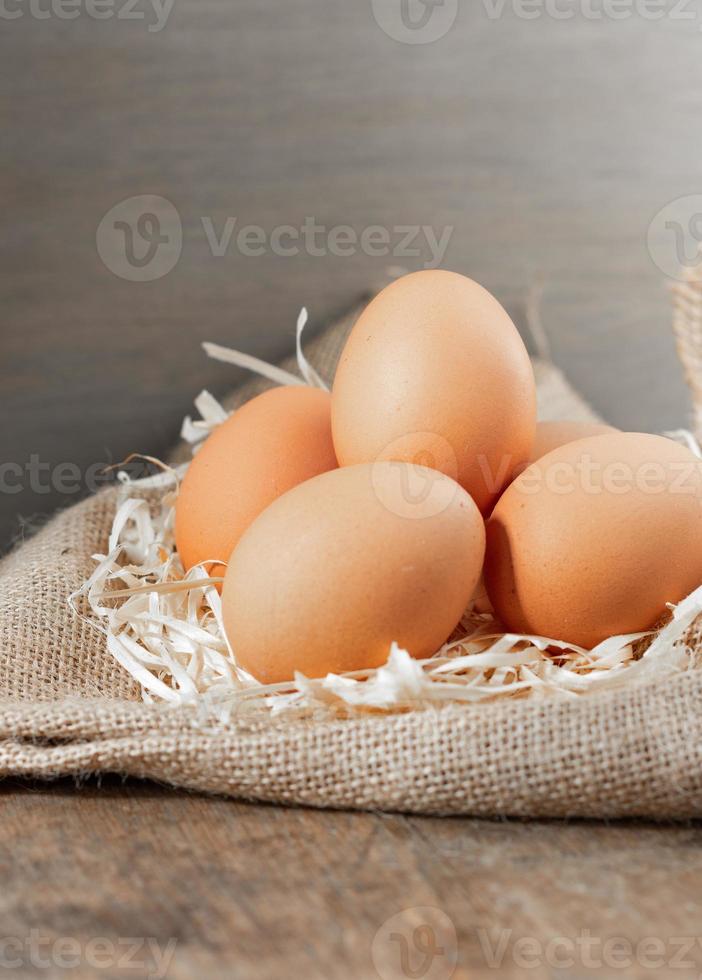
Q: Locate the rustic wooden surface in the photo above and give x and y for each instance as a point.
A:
(236, 890)
(549, 146)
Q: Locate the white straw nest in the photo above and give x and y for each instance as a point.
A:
(164, 626)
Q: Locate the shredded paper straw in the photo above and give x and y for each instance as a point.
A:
(164, 625)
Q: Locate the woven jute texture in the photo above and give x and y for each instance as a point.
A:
(67, 708)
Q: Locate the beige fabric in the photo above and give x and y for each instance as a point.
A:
(635, 753)
(66, 707)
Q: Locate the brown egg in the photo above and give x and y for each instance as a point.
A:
(434, 372)
(596, 537)
(336, 569)
(551, 435)
(480, 600)
(268, 446)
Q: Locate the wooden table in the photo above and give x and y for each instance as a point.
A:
(547, 147)
(223, 889)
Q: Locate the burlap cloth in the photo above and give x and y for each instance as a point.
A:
(67, 708)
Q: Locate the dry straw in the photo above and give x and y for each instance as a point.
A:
(164, 626)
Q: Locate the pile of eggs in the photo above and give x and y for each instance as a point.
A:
(350, 520)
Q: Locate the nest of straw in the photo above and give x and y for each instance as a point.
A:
(164, 625)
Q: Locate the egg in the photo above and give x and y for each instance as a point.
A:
(434, 372)
(596, 537)
(480, 601)
(337, 568)
(551, 435)
(269, 445)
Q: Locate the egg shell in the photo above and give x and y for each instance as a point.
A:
(552, 435)
(434, 372)
(596, 537)
(339, 567)
(480, 600)
(269, 445)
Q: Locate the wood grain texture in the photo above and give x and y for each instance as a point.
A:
(261, 892)
(546, 145)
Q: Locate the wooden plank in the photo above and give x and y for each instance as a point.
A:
(263, 892)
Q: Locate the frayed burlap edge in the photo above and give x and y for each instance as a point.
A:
(632, 753)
